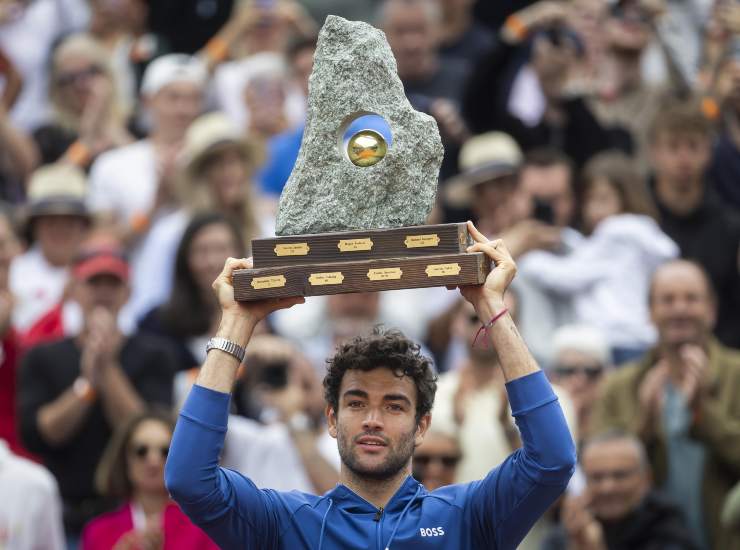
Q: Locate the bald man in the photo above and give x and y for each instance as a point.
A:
(681, 401)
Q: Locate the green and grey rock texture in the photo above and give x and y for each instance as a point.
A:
(354, 72)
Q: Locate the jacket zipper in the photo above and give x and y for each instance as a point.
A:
(378, 528)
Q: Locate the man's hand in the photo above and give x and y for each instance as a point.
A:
(492, 291)
(584, 531)
(253, 312)
(651, 396)
(695, 381)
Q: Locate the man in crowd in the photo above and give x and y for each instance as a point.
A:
(73, 392)
(57, 223)
(618, 509)
(380, 391)
(681, 400)
(132, 185)
(704, 228)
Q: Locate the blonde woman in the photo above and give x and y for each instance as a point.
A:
(86, 118)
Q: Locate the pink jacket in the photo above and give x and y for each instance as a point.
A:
(102, 532)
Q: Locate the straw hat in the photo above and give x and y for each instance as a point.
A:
(209, 133)
(483, 158)
(57, 190)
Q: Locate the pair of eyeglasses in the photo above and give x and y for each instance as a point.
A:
(72, 77)
(591, 372)
(141, 451)
(448, 461)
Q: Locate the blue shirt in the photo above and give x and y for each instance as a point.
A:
(494, 513)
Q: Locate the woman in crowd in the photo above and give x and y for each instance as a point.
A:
(87, 119)
(216, 176)
(608, 275)
(132, 469)
(190, 315)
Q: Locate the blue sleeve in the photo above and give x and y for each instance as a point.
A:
(513, 496)
(225, 504)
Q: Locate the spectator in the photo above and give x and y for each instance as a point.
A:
(704, 229)
(463, 39)
(521, 87)
(74, 392)
(581, 358)
(435, 460)
(87, 116)
(215, 175)
(56, 224)
(30, 510)
(172, 90)
(724, 171)
(28, 31)
(18, 154)
(609, 273)
(190, 314)
(282, 442)
(433, 85)
(132, 470)
(680, 399)
(9, 341)
(619, 510)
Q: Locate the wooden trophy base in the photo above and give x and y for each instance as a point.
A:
(361, 261)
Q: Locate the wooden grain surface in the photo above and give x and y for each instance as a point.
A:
(351, 246)
(362, 276)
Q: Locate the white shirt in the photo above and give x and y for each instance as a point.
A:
(266, 455)
(124, 181)
(36, 285)
(30, 507)
(608, 276)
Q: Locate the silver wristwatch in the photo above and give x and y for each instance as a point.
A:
(228, 346)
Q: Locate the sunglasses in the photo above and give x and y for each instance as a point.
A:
(590, 372)
(141, 451)
(448, 461)
(72, 77)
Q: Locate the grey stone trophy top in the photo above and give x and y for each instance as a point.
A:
(355, 73)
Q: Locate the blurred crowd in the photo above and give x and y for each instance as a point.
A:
(142, 143)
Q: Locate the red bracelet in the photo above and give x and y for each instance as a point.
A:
(485, 328)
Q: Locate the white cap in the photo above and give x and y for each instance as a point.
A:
(585, 339)
(176, 67)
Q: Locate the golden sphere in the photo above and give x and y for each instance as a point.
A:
(366, 147)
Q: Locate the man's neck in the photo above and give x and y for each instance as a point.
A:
(483, 370)
(376, 492)
(678, 201)
(162, 138)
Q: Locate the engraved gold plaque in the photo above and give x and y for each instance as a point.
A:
(418, 241)
(385, 274)
(355, 245)
(320, 279)
(292, 249)
(442, 270)
(271, 281)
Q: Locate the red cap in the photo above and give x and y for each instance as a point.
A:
(101, 262)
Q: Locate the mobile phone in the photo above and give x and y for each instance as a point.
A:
(543, 211)
(274, 375)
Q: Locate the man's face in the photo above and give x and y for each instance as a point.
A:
(106, 291)
(412, 35)
(495, 204)
(616, 480)
(550, 184)
(680, 160)
(580, 374)
(175, 106)
(681, 307)
(435, 461)
(375, 426)
(628, 28)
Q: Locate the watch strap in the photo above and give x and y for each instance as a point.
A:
(232, 348)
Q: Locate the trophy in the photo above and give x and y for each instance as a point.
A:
(351, 216)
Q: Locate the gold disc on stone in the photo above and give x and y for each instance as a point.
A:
(366, 147)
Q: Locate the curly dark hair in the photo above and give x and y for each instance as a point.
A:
(383, 349)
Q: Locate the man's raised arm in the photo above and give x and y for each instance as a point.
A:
(513, 496)
(223, 503)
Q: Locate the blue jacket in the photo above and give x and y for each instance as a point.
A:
(494, 513)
